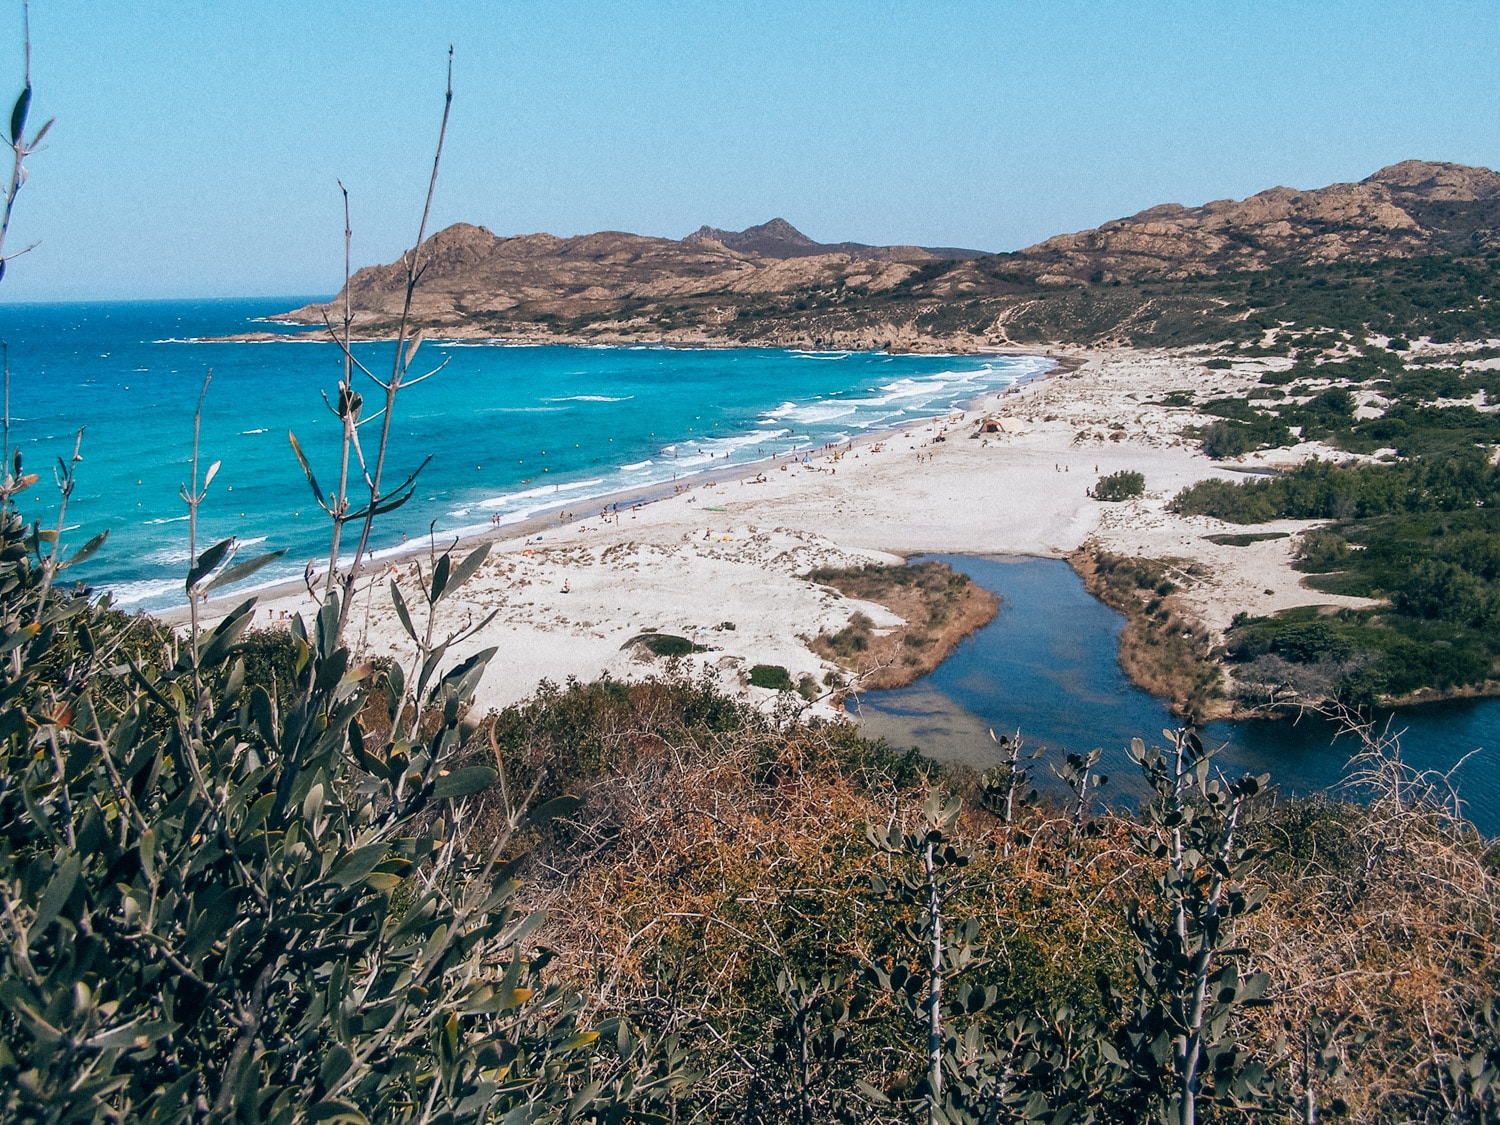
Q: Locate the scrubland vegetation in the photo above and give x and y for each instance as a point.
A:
(1443, 297)
(1162, 648)
(328, 892)
(1420, 536)
(937, 605)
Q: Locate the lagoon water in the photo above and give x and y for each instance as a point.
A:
(1047, 666)
(511, 430)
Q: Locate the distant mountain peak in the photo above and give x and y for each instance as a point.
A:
(778, 228)
(774, 239)
(779, 239)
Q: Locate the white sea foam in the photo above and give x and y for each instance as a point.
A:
(815, 415)
(829, 411)
(737, 441)
(130, 593)
(545, 490)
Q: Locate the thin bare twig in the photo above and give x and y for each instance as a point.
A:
(401, 361)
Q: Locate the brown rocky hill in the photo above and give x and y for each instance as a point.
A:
(779, 239)
(472, 277)
(1405, 210)
(771, 284)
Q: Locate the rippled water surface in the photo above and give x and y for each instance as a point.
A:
(511, 430)
(1047, 665)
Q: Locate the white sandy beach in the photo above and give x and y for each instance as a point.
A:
(732, 553)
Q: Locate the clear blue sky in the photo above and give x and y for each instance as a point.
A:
(198, 141)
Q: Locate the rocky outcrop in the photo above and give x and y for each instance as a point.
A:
(775, 239)
(469, 273)
(1407, 209)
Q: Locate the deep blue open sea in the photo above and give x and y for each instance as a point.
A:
(511, 430)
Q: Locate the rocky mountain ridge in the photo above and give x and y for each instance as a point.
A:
(1403, 210)
(470, 273)
(772, 284)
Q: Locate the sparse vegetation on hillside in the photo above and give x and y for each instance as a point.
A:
(1431, 278)
(938, 606)
(1162, 649)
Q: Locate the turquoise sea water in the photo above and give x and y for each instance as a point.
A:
(511, 430)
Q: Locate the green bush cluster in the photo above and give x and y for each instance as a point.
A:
(236, 899)
(1120, 486)
(1438, 572)
(772, 676)
(668, 644)
(1326, 490)
(1421, 535)
(1409, 421)
(1223, 440)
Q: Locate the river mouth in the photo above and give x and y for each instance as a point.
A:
(1047, 665)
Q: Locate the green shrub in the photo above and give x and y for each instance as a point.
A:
(1441, 590)
(1321, 550)
(1305, 642)
(231, 900)
(772, 676)
(1120, 486)
(1278, 378)
(1234, 437)
(1323, 490)
(665, 644)
(1244, 539)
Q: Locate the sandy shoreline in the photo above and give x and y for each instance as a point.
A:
(720, 561)
(555, 517)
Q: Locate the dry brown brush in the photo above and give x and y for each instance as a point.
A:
(1162, 648)
(715, 883)
(1380, 935)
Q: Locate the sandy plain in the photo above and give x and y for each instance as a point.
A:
(722, 562)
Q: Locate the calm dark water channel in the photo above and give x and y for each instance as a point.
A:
(1047, 665)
